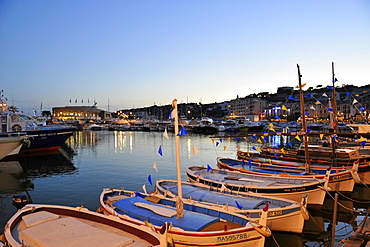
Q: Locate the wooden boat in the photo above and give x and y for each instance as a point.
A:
(283, 215)
(277, 186)
(52, 225)
(318, 153)
(320, 158)
(8, 145)
(200, 225)
(339, 179)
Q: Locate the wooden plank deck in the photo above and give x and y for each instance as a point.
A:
(361, 237)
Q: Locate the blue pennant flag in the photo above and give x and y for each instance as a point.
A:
(363, 144)
(309, 95)
(362, 108)
(330, 109)
(217, 143)
(276, 156)
(308, 130)
(220, 140)
(348, 93)
(290, 144)
(254, 148)
(330, 87)
(335, 79)
(150, 179)
(237, 139)
(160, 151)
(306, 113)
(238, 205)
(209, 168)
(291, 97)
(182, 132)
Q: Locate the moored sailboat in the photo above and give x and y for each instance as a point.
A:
(339, 179)
(283, 215)
(283, 187)
(199, 225)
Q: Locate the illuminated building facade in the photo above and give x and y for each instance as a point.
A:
(80, 114)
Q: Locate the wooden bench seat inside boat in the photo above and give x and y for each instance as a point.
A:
(48, 229)
(192, 221)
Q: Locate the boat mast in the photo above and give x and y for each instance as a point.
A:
(179, 207)
(303, 116)
(335, 122)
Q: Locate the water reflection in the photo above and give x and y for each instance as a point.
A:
(17, 173)
(12, 178)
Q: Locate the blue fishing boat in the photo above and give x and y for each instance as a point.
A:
(283, 187)
(283, 215)
(339, 179)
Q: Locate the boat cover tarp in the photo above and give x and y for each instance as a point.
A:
(191, 221)
(221, 199)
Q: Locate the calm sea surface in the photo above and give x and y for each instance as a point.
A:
(93, 160)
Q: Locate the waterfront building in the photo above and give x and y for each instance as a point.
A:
(79, 114)
(249, 106)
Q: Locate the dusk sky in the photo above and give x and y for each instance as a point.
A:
(139, 53)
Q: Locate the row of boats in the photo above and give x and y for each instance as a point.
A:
(207, 125)
(236, 204)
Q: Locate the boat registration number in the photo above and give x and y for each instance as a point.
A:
(273, 213)
(233, 237)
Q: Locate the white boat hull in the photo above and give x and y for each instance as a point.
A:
(9, 146)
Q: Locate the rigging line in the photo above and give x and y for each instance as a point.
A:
(214, 146)
(341, 229)
(350, 199)
(349, 209)
(364, 184)
(313, 219)
(276, 242)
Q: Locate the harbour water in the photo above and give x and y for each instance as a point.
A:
(93, 160)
